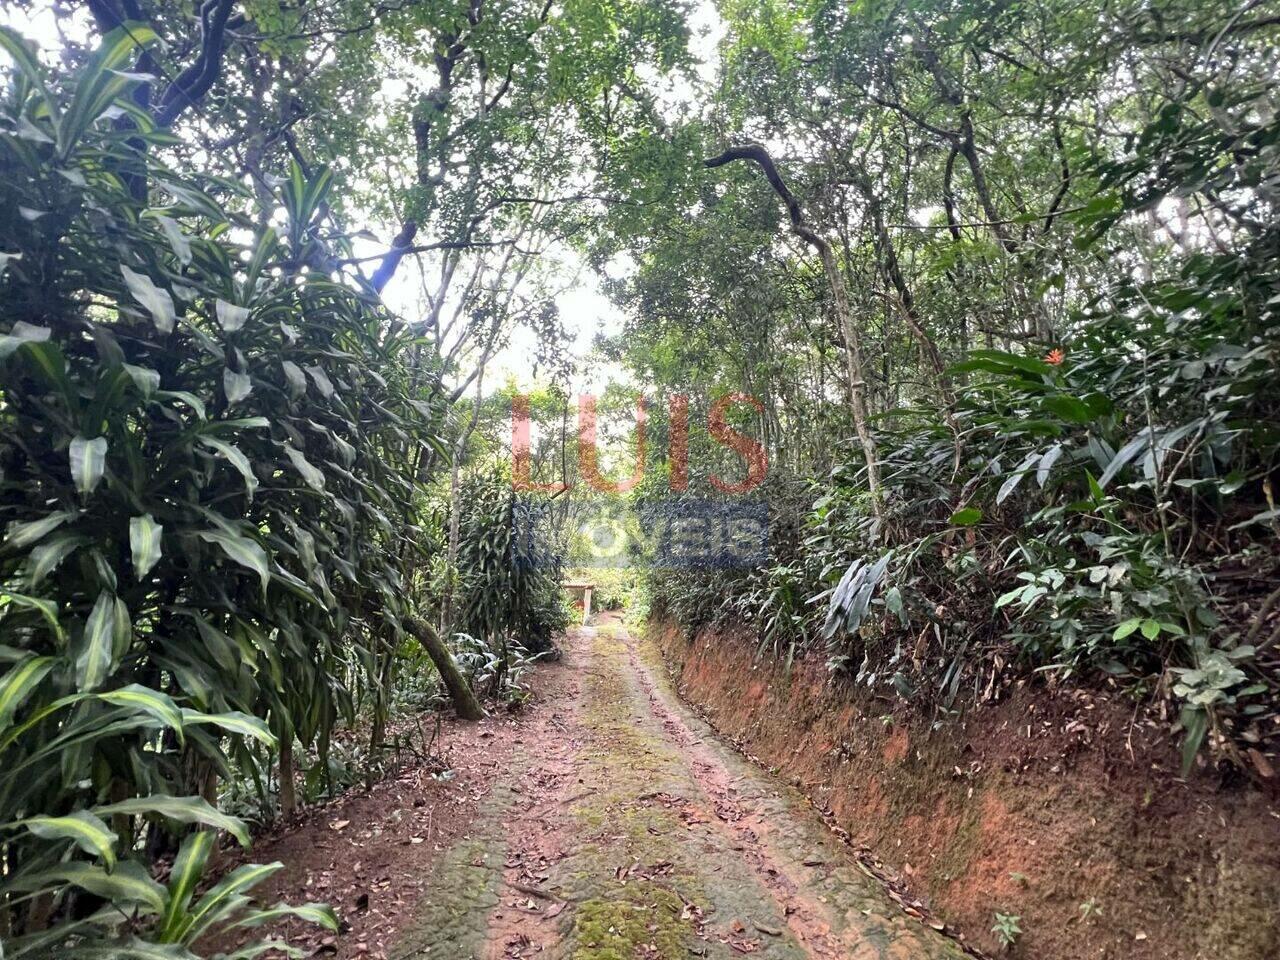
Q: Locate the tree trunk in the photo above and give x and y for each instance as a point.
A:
(288, 792)
(853, 360)
(451, 557)
(464, 700)
(839, 302)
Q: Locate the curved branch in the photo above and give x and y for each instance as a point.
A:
(757, 154)
(399, 247)
(196, 80)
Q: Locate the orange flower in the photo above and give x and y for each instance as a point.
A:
(1055, 356)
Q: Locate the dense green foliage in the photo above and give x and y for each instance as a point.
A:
(1057, 231)
(207, 453)
(509, 588)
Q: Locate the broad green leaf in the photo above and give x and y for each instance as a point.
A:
(321, 380)
(232, 454)
(1195, 724)
(46, 557)
(231, 317)
(127, 883)
(88, 462)
(96, 651)
(177, 239)
(1095, 490)
(144, 542)
(248, 553)
(309, 472)
(157, 301)
(1124, 455)
(24, 534)
(1015, 477)
(1015, 361)
(153, 702)
(1046, 463)
(21, 333)
(187, 870)
(182, 810)
(236, 386)
(966, 517)
(296, 378)
(88, 832)
(233, 722)
(145, 379)
(1069, 408)
(1126, 628)
(18, 682)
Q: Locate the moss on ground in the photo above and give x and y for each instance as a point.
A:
(644, 916)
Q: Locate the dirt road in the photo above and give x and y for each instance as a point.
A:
(630, 831)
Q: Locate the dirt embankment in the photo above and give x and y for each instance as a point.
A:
(1058, 810)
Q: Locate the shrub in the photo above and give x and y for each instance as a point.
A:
(206, 473)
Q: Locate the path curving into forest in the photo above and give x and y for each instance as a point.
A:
(627, 829)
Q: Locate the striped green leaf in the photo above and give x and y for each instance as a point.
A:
(16, 685)
(182, 810)
(24, 534)
(248, 553)
(95, 653)
(46, 608)
(233, 722)
(144, 542)
(190, 399)
(88, 832)
(159, 302)
(320, 914)
(188, 868)
(157, 704)
(127, 883)
(102, 81)
(25, 59)
(307, 470)
(88, 462)
(46, 557)
(132, 950)
(226, 896)
(231, 453)
(144, 378)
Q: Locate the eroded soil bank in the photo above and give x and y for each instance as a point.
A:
(1059, 810)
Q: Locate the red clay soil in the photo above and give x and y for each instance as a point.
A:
(1059, 809)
